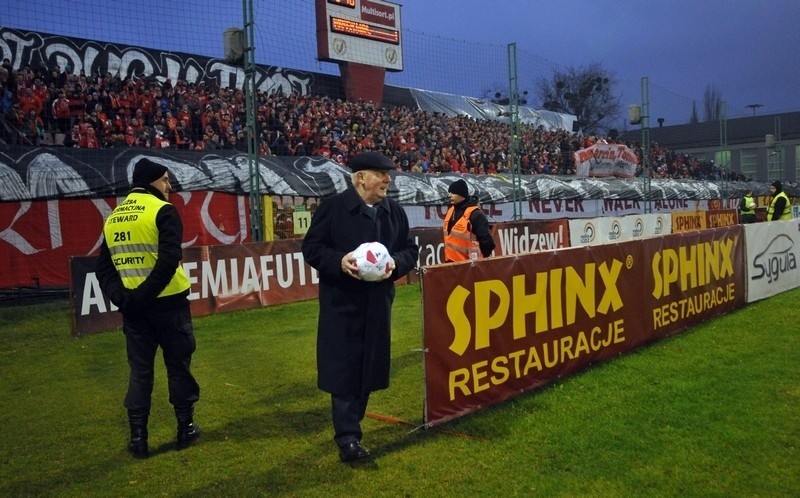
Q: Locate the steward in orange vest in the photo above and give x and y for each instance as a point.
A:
(467, 233)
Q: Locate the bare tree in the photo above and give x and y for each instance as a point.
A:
(583, 92)
(693, 119)
(489, 91)
(712, 104)
(498, 94)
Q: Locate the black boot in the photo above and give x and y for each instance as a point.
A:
(137, 446)
(187, 430)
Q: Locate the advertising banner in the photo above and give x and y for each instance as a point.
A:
(772, 254)
(240, 276)
(722, 218)
(684, 221)
(522, 237)
(506, 325)
(692, 277)
(503, 326)
(645, 225)
(223, 278)
(618, 229)
(38, 238)
(560, 209)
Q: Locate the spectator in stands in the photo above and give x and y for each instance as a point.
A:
(279, 147)
(200, 144)
(33, 128)
(214, 143)
(28, 101)
(6, 95)
(89, 140)
(130, 139)
(325, 127)
(73, 138)
(160, 139)
(60, 110)
(10, 78)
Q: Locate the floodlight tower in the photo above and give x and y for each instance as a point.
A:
(754, 107)
(724, 162)
(256, 201)
(513, 101)
(775, 156)
(646, 170)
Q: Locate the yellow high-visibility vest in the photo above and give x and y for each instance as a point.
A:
(787, 209)
(132, 239)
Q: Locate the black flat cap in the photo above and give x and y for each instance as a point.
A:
(370, 160)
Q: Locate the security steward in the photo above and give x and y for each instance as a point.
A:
(747, 208)
(779, 207)
(139, 270)
(467, 235)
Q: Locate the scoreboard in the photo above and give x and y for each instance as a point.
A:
(361, 31)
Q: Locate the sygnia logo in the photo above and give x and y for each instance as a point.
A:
(659, 225)
(588, 234)
(776, 259)
(616, 231)
(638, 228)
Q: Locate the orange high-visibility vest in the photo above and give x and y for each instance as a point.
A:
(460, 244)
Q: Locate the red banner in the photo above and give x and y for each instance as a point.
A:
(223, 278)
(503, 326)
(38, 238)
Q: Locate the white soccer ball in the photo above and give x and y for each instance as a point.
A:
(371, 259)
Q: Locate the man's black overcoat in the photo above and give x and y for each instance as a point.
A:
(353, 335)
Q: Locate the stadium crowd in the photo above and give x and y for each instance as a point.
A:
(57, 107)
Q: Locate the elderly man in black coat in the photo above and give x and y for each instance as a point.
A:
(353, 334)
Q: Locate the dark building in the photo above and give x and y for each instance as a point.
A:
(762, 148)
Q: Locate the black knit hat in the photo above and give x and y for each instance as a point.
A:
(777, 185)
(146, 172)
(459, 187)
(370, 160)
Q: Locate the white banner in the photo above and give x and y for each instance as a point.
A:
(606, 160)
(605, 230)
(555, 209)
(771, 253)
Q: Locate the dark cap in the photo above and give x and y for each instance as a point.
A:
(777, 185)
(370, 160)
(459, 187)
(147, 171)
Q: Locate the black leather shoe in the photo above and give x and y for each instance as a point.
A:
(137, 446)
(187, 434)
(351, 452)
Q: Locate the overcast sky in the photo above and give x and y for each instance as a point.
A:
(749, 50)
